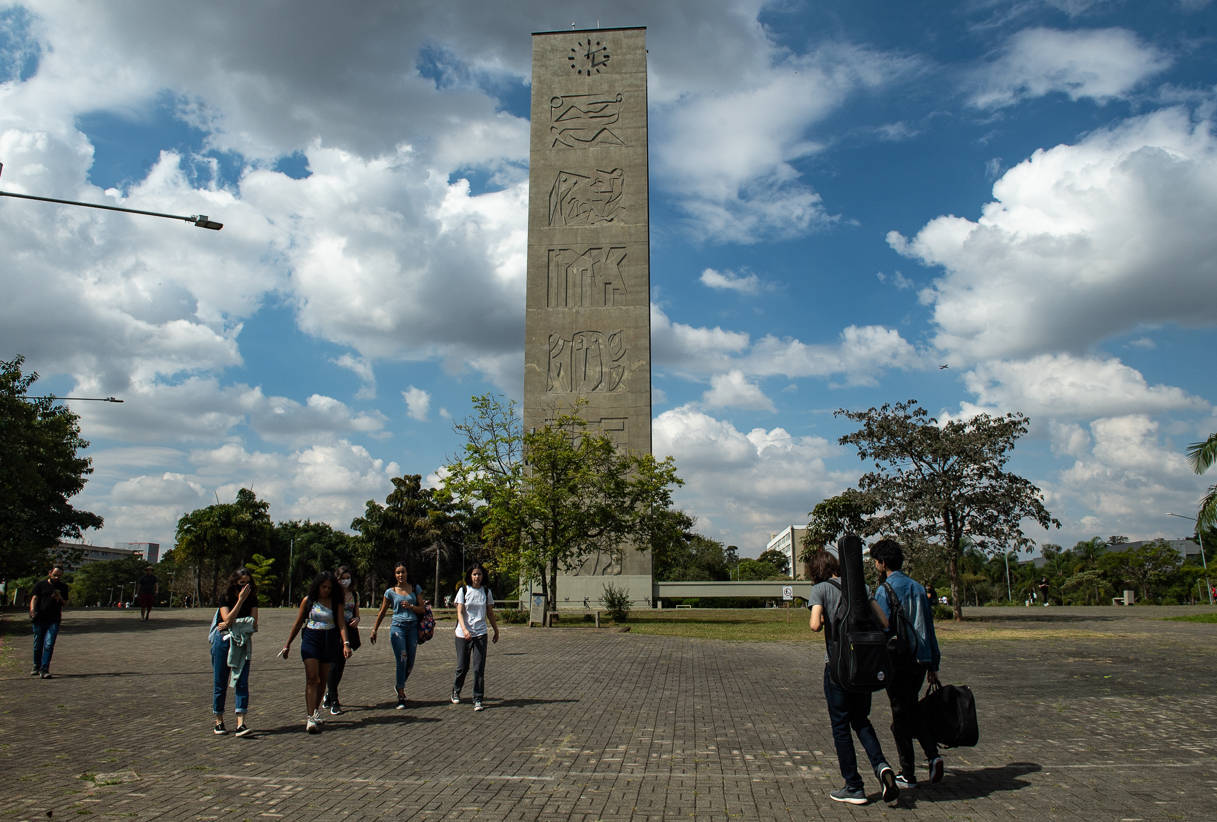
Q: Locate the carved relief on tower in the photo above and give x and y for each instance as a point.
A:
(586, 199)
(586, 278)
(581, 120)
(586, 362)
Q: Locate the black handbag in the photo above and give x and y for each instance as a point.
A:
(949, 712)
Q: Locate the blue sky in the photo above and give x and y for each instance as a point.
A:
(845, 197)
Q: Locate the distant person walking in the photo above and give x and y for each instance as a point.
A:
(474, 608)
(148, 587)
(351, 612)
(910, 670)
(232, 631)
(46, 612)
(846, 710)
(323, 638)
(406, 602)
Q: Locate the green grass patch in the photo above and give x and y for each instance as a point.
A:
(1193, 618)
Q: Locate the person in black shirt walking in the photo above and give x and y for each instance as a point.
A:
(46, 612)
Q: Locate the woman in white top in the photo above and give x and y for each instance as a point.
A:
(474, 608)
(319, 646)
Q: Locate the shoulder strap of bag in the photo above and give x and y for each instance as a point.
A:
(899, 617)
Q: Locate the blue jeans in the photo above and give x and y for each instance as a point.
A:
(849, 710)
(220, 677)
(44, 644)
(404, 639)
(474, 647)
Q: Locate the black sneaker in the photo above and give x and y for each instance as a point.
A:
(477, 705)
(936, 769)
(325, 701)
(854, 796)
(401, 702)
(456, 697)
(47, 675)
(241, 730)
(218, 729)
(888, 777)
(335, 708)
(36, 672)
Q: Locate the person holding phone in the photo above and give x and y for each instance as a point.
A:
(239, 601)
(407, 603)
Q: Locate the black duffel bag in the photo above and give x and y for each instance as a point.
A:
(950, 713)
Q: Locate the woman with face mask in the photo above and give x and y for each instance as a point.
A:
(351, 612)
(406, 601)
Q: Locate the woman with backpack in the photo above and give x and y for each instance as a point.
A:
(342, 574)
(239, 602)
(406, 601)
(322, 628)
(474, 607)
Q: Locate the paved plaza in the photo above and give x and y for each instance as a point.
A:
(1096, 714)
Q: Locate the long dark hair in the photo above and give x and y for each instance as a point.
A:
(477, 566)
(337, 599)
(234, 588)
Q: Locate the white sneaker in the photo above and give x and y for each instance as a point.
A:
(319, 716)
(311, 726)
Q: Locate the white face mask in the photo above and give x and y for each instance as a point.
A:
(345, 583)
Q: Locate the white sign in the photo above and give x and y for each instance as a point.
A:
(787, 592)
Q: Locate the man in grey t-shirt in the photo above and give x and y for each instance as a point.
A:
(846, 710)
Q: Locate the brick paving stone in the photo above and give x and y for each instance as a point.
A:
(1104, 713)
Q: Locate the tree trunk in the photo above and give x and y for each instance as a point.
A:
(956, 587)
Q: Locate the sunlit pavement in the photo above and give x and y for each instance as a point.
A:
(1101, 713)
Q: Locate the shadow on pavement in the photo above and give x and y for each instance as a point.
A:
(972, 784)
(337, 723)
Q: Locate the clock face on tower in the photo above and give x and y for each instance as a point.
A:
(588, 56)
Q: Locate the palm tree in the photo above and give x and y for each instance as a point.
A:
(1203, 455)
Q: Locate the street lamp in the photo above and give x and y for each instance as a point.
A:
(200, 220)
(1207, 586)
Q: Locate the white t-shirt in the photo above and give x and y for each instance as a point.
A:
(475, 601)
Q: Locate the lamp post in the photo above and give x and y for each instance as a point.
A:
(1207, 585)
(200, 220)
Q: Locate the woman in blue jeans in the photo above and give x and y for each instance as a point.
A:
(406, 601)
(240, 601)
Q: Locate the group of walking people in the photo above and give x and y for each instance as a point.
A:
(327, 623)
(850, 710)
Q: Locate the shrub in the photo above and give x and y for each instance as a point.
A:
(512, 616)
(616, 602)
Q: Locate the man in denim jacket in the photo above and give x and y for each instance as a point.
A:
(907, 678)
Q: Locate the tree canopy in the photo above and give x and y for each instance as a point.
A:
(943, 484)
(215, 540)
(1202, 456)
(40, 471)
(553, 497)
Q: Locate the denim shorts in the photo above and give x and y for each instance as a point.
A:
(324, 646)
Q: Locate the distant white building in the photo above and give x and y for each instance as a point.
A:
(72, 555)
(789, 541)
(151, 550)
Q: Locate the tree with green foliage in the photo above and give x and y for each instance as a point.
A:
(399, 531)
(1202, 456)
(777, 559)
(40, 471)
(758, 569)
(686, 555)
(305, 549)
(945, 483)
(1148, 569)
(556, 496)
(262, 570)
(106, 582)
(215, 540)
